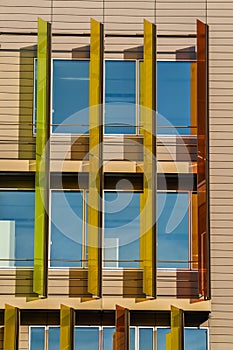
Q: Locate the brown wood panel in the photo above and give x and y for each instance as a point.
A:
(202, 163)
(121, 336)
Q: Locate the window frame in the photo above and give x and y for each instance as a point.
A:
(105, 268)
(194, 328)
(84, 193)
(101, 328)
(19, 189)
(136, 95)
(189, 268)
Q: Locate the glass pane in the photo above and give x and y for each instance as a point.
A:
(195, 339)
(37, 338)
(70, 96)
(132, 339)
(121, 229)
(54, 338)
(17, 228)
(173, 228)
(173, 97)
(120, 97)
(86, 338)
(161, 338)
(108, 338)
(66, 229)
(145, 338)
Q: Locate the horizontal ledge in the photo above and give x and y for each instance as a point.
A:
(112, 181)
(113, 35)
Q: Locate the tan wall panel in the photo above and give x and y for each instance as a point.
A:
(24, 338)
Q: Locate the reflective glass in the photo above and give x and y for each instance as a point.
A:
(120, 97)
(195, 339)
(37, 338)
(54, 338)
(86, 338)
(108, 338)
(145, 338)
(17, 228)
(70, 96)
(172, 230)
(132, 338)
(173, 97)
(121, 229)
(66, 228)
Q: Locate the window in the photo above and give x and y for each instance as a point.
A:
(173, 97)
(194, 339)
(173, 229)
(145, 338)
(121, 234)
(67, 229)
(17, 228)
(121, 229)
(120, 97)
(141, 338)
(70, 96)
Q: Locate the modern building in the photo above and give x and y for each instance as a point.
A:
(116, 175)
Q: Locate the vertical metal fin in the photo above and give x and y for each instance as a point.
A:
(122, 324)
(67, 323)
(175, 339)
(202, 163)
(95, 159)
(42, 159)
(11, 328)
(148, 129)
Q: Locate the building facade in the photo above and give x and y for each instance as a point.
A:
(115, 170)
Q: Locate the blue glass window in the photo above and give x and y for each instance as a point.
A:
(172, 230)
(54, 338)
(132, 338)
(194, 339)
(66, 229)
(37, 338)
(17, 228)
(145, 338)
(120, 97)
(86, 338)
(173, 97)
(70, 96)
(121, 229)
(108, 337)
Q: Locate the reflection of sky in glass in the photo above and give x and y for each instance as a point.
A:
(173, 95)
(145, 338)
(86, 338)
(54, 338)
(121, 220)
(18, 206)
(120, 90)
(37, 338)
(132, 339)
(172, 229)
(194, 339)
(70, 95)
(108, 337)
(66, 228)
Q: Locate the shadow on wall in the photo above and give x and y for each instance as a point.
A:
(26, 94)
